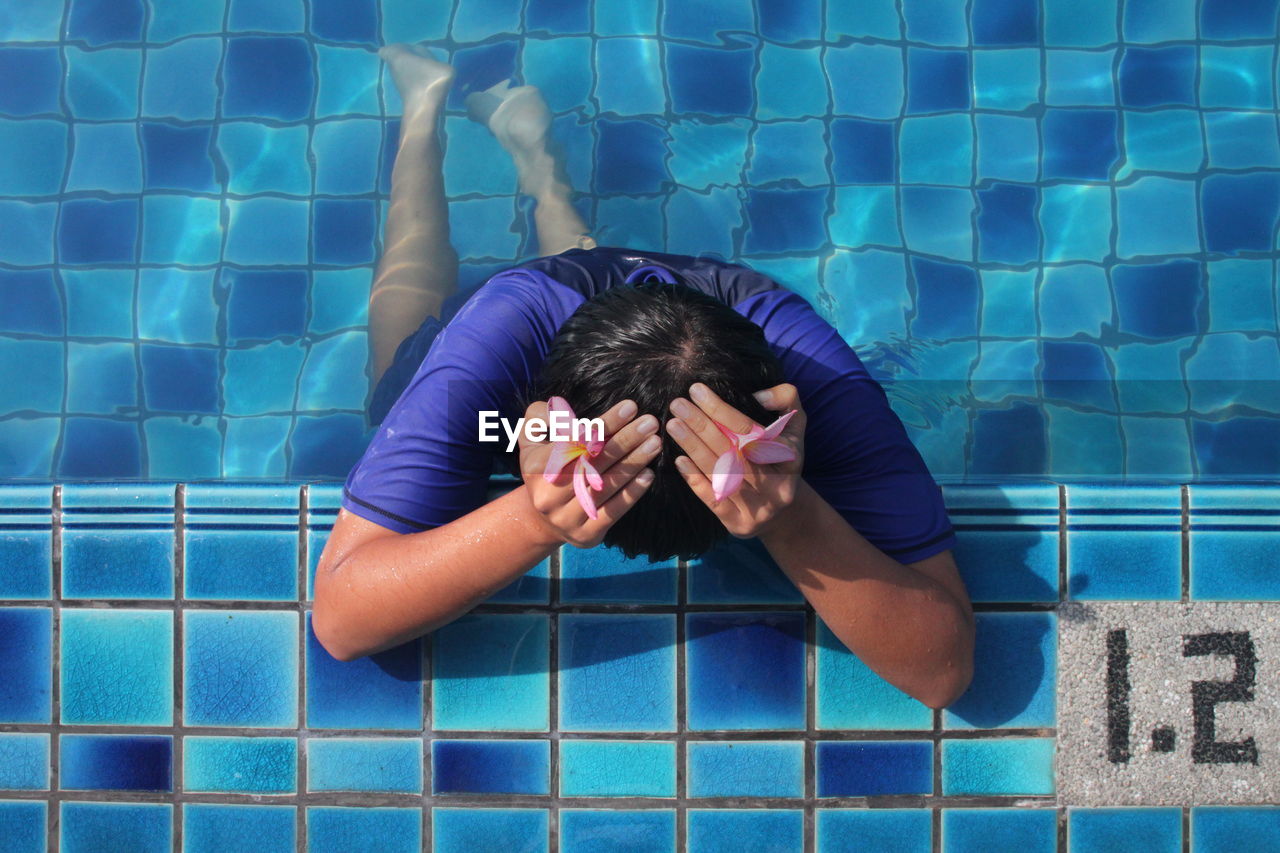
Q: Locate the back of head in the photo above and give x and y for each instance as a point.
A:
(648, 343)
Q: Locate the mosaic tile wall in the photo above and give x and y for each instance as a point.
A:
(160, 688)
(1053, 220)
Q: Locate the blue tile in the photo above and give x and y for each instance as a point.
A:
(1007, 227)
(1239, 211)
(30, 303)
(241, 543)
(464, 830)
(1240, 140)
(746, 769)
(994, 454)
(1005, 369)
(345, 20)
(346, 155)
(379, 691)
(745, 670)
(181, 230)
(695, 222)
(611, 768)
(939, 80)
(177, 18)
(93, 231)
(180, 379)
(1086, 23)
(1008, 147)
(1006, 79)
(1221, 19)
(40, 70)
(936, 22)
(177, 157)
(255, 447)
(629, 157)
(1025, 830)
(726, 830)
(1222, 828)
(251, 63)
(873, 830)
(1000, 22)
(1013, 765)
(881, 72)
(1008, 303)
(1237, 76)
(867, 215)
(1111, 830)
(617, 672)
(1231, 532)
(784, 220)
(485, 65)
(558, 17)
(138, 827)
(1076, 222)
(515, 695)
(706, 154)
(181, 450)
(101, 378)
(115, 762)
(1167, 140)
(342, 231)
(880, 276)
(947, 299)
(103, 84)
(938, 221)
(1230, 353)
(181, 80)
(636, 18)
(1148, 21)
(260, 158)
(280, 16)
(1074, 298)
(1079, 144)
(378, 830)
(26, 641)
(265, 304)
(790, 83)
(28, 444)
(34, 375)
(1151, 77)
(212, 828)
(26, 541)
(875, 18)
(329, 446)
(1080, 77)
(873, 768)
(106, 157)
(347, 81)
(606, 575)
(713, 82)
(1078, 372)
(241, 668)
(261, 379)
(267, 231)
(99, 302)
(34, 156)
(117, 667)
(490, 767)
(484, 227)
(601, 830)
(1157, 216)
(337, 301)
(105, 21)
(100, 448)
(1242, 445)
(1015, 670)
(863, 152)
(364, 764)
(334, 374)
(629, 76)
(705, 21)
(24, 762)
(1084, 443)
(562, 68)
(28, 234)
(1159, 300)
(259, 765)
(25, 824)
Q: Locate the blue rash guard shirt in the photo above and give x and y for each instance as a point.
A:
(426, 466)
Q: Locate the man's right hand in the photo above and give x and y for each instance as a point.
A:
(631, 445)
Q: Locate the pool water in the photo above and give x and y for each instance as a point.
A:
(1056, 222)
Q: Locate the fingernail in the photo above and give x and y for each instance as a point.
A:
(699, 392)
(647, 424)
(681, 407)
(627, 409)
(677, 428)
(682, 463)
(652, 445)
(763, 397)
(645, 477)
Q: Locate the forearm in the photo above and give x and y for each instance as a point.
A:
(392, 589)
(904, 625)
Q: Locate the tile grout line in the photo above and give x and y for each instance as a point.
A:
(55, 687)
(682, 707)
(810, 723)
(300, 767)
(178, 771)
(1063, 837)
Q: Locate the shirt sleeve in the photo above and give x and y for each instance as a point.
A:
(858, 456)
(426, 466)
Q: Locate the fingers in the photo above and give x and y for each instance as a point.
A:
(629, 467)
(625, 441)
(537, 409)
(693, 444)
(779, 398)
(697, 481)
(700, 425)
(717, 409)
(625, 498)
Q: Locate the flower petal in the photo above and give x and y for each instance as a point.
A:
(562, 453)
(734, 438)
(774, 429)
(767, 452)
(726, 477)
(593, 447)
(559, 404)
(593, 476)
(580, 490)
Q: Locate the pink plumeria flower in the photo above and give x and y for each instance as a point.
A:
(578, 452)
(759, 445)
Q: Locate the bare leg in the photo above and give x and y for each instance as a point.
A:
(519, 118)
(418, 267)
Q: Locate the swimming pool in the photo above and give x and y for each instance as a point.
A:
(1049, 230)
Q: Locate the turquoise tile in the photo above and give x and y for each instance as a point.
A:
(489, 673)
(1013, 765)
(378, 691)
(105, 157)
(745, 769)
(1157, 216)
(26, 541)
(211, 828)
(1082, 443)
(612, 768)
(745, 670)
(1149, 376)
(617, 672)
(1008, 303)
(1157, 448)
(874, 18)
(25, 825)
(790, 83)
(936, 150)
(174, 19)
(241, 542)
(257, 765)
(1005, 369)
(103, 84)
(625, 19)
(99, 302)
(464, 830)
(333, 375)
(1080, 77)
(484, 228)
(873, 830)
(1232, 542)
(30, 443)
(729, 830)
(1149, 21)
(532, 587)
(938, 221)
(117, 541)
(137, 827)
(282, 16)
(1074, 299)
(851, 695)
(177, 305)
(34, 156)
(262, 379)
(697, 221)
(474, 161)
(1162, 141)
(1217, 829)
(228, 679)
(346, 156)
(371, 829)
(261, 158)
(348, 81)
(1076, 222)
(410, 21)
(739, 571)
(1015, 669)
(181, 230)
(27, 238)
(365, 764)
(1024, 830)
(490, 767)
(37, 21)
(789, 151)
(601, 830)
(1005, 80)
(605, 575)
(24, 761)
(705, 153)
(180, 79)
(863, 215)
(1239, 292)
(181, 449)
(255, 447)
(339, 300)
(874, 301)
(1085, 23)
(26, 664)
(561, 68)
(102, 378)
(1240, 140)
(1237, 76)
(936, 22)
(1219, 358)
(116, 667)
(1112, 830)
(267, 231)
(628, 77)
(635, 222)
(1006, 540)
(880, 74)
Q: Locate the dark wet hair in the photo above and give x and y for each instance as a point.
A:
(649, 342)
